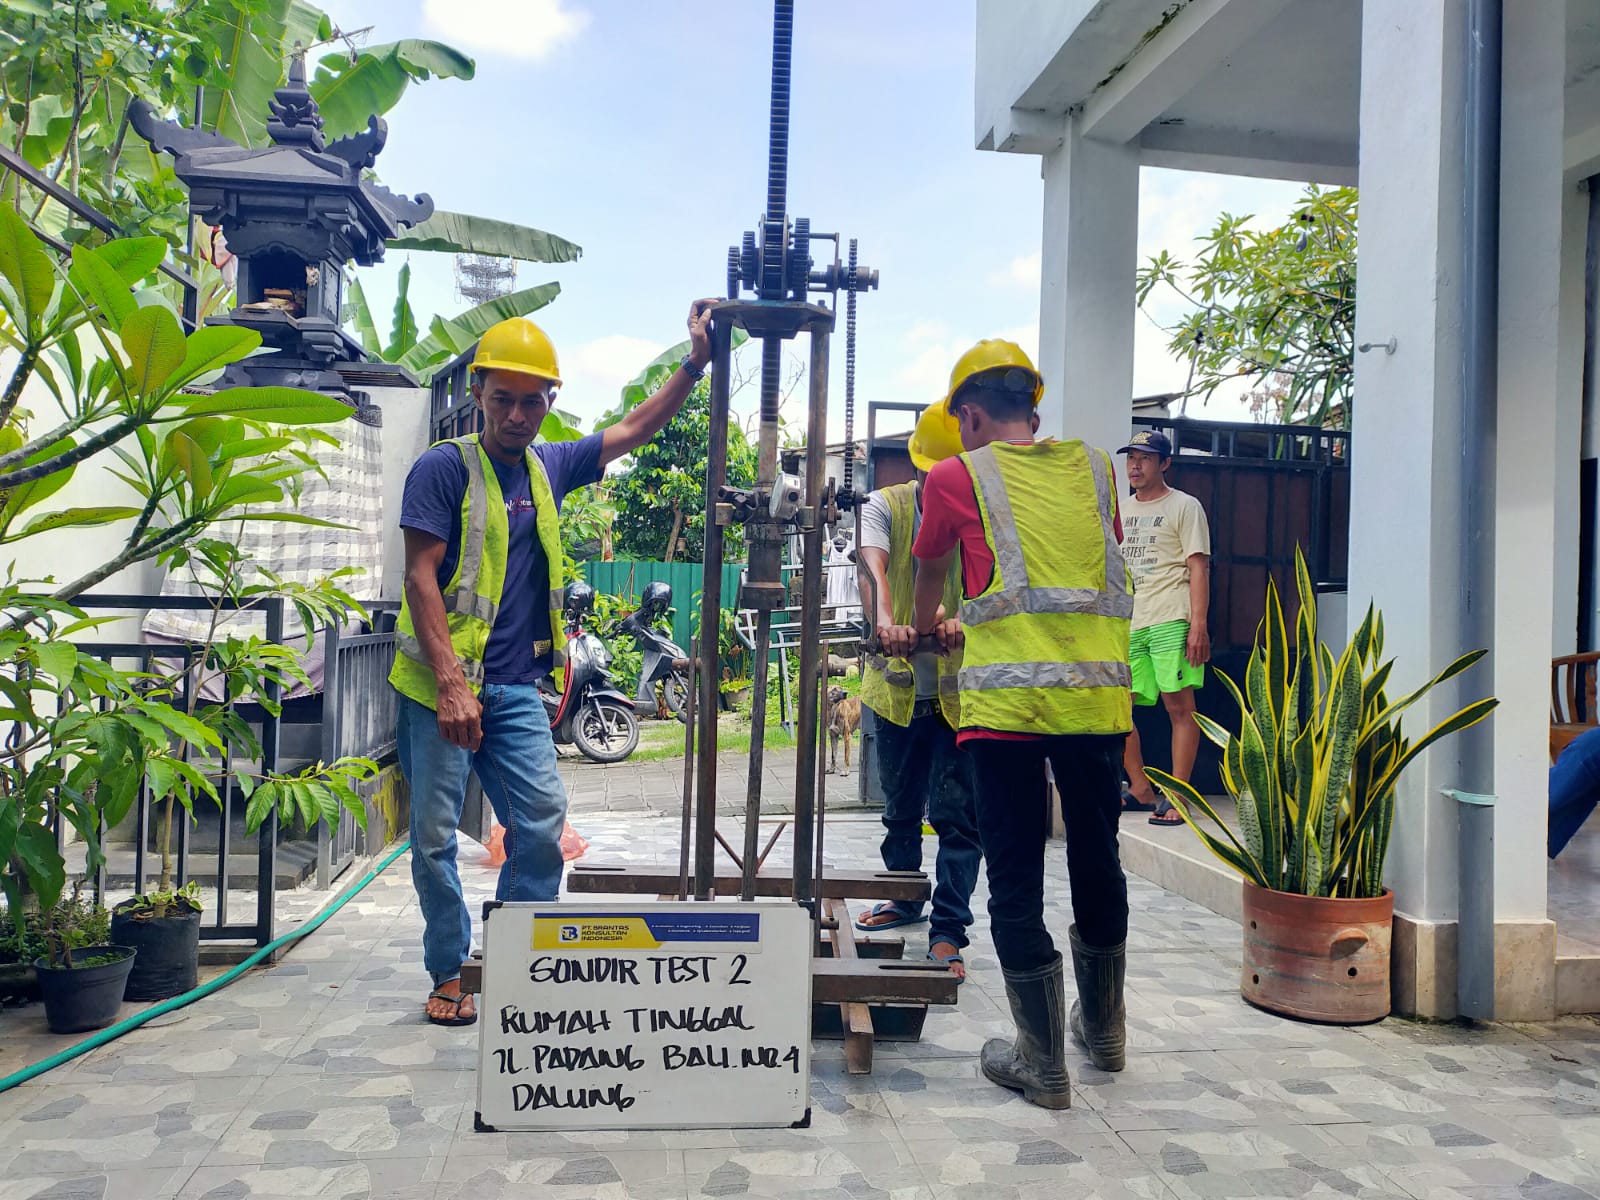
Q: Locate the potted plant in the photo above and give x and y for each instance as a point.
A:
(82, 975)
(735, 689)
(1313, 770)
(21, 941)
(163, 926)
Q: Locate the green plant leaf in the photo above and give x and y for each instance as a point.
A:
(442, 342)
(212, 347)
(35, 848)
(25, 496)
(28, 268)
(247, 50)
(461, 233)
(154, 343)
(59, 660)
(403, 332)
(275, 405)
(188, 454)
(348, 93)
(97, 282)
(360, 313)
(1184, 797)
(71, 518)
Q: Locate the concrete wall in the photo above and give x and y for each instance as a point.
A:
(406, 434)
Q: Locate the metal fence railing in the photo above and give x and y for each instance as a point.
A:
(356, 710)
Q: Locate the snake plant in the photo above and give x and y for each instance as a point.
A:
(1317, 756)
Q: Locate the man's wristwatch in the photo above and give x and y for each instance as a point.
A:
(693, 372)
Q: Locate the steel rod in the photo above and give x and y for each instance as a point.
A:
(711, 613)
(810, 621)
(758, 754)
(688, 769)
(825, 708)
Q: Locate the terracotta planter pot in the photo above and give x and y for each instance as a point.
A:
(1316, 958)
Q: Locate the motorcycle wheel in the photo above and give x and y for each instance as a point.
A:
(606, 732)
(675, 688)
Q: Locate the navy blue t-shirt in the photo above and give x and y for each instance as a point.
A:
(432, 505)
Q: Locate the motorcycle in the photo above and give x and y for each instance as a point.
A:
(664, 660)
(590, 713)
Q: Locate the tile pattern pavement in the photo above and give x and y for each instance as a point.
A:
(317, 1077)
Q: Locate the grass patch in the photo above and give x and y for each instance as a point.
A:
(660, 741)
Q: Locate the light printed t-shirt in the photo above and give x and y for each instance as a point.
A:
(1158, 538)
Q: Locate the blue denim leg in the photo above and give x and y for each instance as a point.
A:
(903, 773)
(516, 763)
(1574, 790)
(437, 774)
(953, 813)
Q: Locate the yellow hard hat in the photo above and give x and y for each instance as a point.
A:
(517, 344)
(986, 356)
(936, 437)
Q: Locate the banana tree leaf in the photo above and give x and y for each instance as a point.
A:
(474, 323)
(403, 332)
(360, 314)
(348, 93)
(247, 66)
(653, 375)
(462, 233)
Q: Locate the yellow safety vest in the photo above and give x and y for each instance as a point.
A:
(1047, 640)
(472, 597)
(888, 685)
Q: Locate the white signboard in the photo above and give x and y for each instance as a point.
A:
(657, 1015)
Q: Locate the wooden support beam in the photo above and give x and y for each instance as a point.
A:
(854, 1017)
(881, 981)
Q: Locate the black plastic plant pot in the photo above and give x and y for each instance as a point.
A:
(77, 999)
(168, 961)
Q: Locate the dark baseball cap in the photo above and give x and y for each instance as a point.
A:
(1151, 441)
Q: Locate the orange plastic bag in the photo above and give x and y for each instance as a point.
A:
(573, 844)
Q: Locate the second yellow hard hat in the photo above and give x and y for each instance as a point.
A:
(936, 437)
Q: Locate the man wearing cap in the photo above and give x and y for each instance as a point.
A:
(1044, 679)
(480, 625)
(917, 706)
(1167, 543)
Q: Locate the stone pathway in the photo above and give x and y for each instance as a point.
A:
(318, 1078)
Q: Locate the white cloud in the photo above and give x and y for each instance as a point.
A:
(592, 373)
(1021, 272)
(525, 29)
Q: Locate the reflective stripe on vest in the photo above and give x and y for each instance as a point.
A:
(472, 596)
(888, 685)
(1047, 640)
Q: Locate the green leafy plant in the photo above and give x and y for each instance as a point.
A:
(1319, 752)
(1274, 307)
(164, 902)
(73, 924)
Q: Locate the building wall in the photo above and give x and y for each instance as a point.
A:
(406, 434)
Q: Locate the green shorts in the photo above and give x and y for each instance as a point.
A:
(1156, 657)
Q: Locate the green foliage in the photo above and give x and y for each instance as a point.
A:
(163, 902)
(25, 933)
(660, 499)
(462, 233)
(1317, 758)
(1275, 307)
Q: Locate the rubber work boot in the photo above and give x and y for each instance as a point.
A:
(1036, 1063)
(1099, 1015)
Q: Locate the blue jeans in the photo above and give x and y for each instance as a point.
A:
(516, 764)
(921, 769)
(1574, 789)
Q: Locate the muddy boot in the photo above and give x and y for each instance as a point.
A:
(1099, 1016)
(1036, 1063)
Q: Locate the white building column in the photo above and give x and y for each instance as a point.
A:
(1569, 416)
(1405, 523)
(1086, 307)
(1529, 401)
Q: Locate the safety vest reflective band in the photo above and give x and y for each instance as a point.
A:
(1047, 640)
(472, 597)
(888, 685)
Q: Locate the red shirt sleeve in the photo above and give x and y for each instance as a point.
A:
(946, 493)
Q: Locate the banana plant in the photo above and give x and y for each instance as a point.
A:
(1314, 766)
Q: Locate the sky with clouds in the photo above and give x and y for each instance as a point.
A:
(638, 129)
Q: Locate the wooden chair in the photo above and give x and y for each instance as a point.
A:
(1573, 710)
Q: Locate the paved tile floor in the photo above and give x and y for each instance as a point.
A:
(318, 1078)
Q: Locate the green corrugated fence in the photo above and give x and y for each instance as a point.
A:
(628, 580)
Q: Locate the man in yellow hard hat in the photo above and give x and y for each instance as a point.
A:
(1044, 679)
(916, 711)
(481, 625)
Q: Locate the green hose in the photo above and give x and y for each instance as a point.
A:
(112, 1032)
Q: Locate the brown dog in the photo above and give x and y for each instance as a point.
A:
(844, 716)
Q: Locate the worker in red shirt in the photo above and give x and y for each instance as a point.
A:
(1044, 678)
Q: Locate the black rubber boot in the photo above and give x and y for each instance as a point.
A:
(1099, 1015)
(1036, 1063)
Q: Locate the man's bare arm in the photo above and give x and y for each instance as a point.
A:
(1198, 649)
(873, 562)
(460, 713)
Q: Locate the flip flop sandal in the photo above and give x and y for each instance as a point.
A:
(458, 1001)
(945, 962)
(1159, 817)
(888, 906)
(1131, 803)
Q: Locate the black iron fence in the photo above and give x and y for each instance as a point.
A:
(355, 711)
(454, 413)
